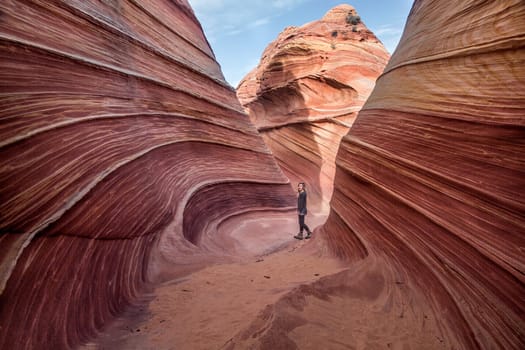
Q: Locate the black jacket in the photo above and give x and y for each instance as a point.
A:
(301, 203)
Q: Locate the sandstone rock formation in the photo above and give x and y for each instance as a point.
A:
(306, 92)
(430, 180)
(118, 137)
(122, 147)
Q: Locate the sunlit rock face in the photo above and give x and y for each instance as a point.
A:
(118, 137)
(306, 92)
(431, 178)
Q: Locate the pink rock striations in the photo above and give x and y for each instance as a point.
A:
(306, 91)
(118, 137)
(430, 180)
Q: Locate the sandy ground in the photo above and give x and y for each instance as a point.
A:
(283, 294)
(208, 308)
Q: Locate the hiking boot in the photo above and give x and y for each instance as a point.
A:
(298, 236)
(308, 235)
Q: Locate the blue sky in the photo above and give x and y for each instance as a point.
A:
(240, 30)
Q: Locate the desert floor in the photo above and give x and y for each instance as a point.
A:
(282, 293)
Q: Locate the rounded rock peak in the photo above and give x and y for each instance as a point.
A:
(339, 13)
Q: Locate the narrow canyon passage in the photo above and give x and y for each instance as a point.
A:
(147, 204)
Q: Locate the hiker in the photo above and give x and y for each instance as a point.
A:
(301, 211)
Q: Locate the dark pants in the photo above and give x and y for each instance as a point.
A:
(302, 225)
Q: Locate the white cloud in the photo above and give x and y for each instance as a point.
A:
(234, 16)
(389, 35)
(285, 4)
(387, 30)
(233, 32)
(260, 22)
(204, 5)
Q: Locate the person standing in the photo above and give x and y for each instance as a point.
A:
(301, 211)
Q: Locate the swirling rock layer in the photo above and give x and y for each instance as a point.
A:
(431, 176)
(118, 134)
(306, 91)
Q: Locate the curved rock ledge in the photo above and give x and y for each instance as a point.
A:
(431, 176)
(116, 123)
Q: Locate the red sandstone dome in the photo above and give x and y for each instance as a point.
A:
(307, 90)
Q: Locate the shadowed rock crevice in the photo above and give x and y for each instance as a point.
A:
(214, 204)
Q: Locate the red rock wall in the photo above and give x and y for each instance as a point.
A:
(117, 128)
(306, 92)
(431, 177)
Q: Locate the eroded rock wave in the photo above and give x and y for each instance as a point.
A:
(431, 175)
(116, 124)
